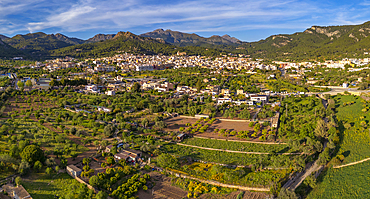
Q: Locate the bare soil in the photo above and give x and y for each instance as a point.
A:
(162, 189)
(22, 104)
(174, 124)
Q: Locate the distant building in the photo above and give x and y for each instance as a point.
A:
(106, 110)
(18, 192)
(108, 148)
(224, 100)
(144, 67)
(92, 88)
(128, 155)
(181, 53)
(73, 170)
(345, 85)
(110, 93)
(43, 83)
(259, 98)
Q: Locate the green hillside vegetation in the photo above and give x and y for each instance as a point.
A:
(332, 42)
(185, 39)
(315, 43)
(73, 41)
(36, 44)
(128, 42)
(7, 51)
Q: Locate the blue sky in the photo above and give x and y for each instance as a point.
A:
(248, 20)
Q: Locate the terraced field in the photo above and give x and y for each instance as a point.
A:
(236, 146)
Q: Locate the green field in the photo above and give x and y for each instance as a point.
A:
(355, 144)
(352, 181)
(47, 139)
(237, 176)
(42, 186)
(236, 146)
(348, 182)
(227, 158)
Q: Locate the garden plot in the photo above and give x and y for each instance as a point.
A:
(236, 146)
(218, 129)
(174, 124)
(162, 188)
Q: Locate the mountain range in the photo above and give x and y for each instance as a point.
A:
(184, 39)
(316, 42)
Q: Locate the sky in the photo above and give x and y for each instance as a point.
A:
(248, 20)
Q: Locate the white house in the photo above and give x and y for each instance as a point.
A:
(259, 98)
(223, 100)
(110, 93)
(92, 88)
(107, 110)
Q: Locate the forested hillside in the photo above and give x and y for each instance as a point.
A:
(128, 42)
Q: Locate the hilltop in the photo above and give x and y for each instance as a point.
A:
(316, 42)
(185, 39)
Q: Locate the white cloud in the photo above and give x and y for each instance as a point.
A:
(117, 14)
(190, 16)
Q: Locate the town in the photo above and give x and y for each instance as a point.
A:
(153, 126)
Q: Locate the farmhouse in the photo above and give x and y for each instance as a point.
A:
(18, 192)
(128, 155)
(108, 148)
(73, 171)
(259, 98)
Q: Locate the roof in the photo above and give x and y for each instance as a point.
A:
(132, 151)
(122, 155)
(74, 168)
(258, 95)
(20, 191)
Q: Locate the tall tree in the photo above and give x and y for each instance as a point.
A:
(136, 87)
(199, 85)
(32, 153)
(28, 83)
(20, 84)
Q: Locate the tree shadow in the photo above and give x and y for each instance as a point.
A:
(346, 153)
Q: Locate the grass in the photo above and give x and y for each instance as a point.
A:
(355, 144)
(236, 146)
(347, 182)
(5, 174)
(45, 137)
(352, 181)
(225, 157)
(238, 176)
(42, 186)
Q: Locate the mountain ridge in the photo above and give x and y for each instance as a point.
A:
(316, 42)
(183, 39)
